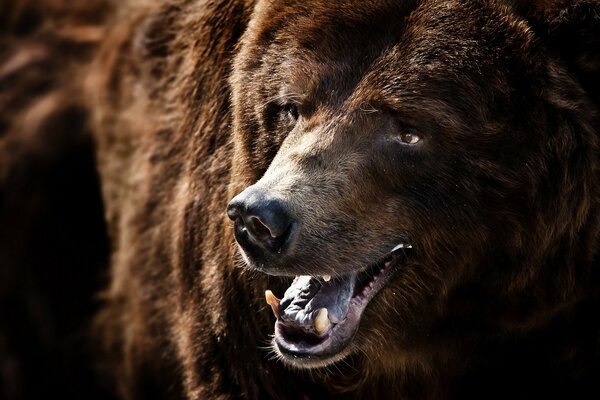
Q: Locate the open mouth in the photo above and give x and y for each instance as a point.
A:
(318, 316)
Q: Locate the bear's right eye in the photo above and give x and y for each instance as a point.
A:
(290, 112)
(280, 117)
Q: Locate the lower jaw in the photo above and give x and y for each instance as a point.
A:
(334, 347)
(337, 343)
(304, 360)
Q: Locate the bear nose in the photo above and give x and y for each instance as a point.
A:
(262, 218)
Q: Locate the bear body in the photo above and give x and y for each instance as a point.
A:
(309, 103)
(447, 148)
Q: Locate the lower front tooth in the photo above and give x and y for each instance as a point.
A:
(322, 321)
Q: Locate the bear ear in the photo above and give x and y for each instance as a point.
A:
(571, 29)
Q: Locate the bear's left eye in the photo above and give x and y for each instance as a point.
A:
(409, 137)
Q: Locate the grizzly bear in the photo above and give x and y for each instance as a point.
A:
(416, 180)
(349, 200)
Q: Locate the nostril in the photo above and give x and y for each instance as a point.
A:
(268, 237)
(259, 229)
(232, 211)
(260, 220)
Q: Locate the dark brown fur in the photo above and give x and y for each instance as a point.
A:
(501, 296)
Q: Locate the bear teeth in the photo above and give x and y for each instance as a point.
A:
(322, 322)
(273, 301)
(401, 246)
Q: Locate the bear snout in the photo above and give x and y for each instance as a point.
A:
(263, 225)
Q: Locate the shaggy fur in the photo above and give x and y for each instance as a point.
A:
(190, 103)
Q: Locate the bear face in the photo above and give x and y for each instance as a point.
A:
(414, 165)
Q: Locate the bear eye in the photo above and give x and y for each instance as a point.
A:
(291, 112)
(409, 138)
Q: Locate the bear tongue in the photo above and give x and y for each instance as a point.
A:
(303, 302)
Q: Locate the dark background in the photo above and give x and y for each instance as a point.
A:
(53, 243)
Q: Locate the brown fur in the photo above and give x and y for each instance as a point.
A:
(500, 297)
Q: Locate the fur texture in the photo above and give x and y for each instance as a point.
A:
(190, 103)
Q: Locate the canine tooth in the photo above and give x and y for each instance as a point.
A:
(322, 321)
(326, 278)
(273, 301)
(401, 246)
